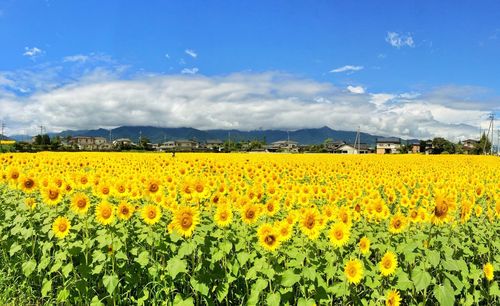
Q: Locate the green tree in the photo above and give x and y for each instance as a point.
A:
(483, 146)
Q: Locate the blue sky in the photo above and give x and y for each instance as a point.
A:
(402, 49)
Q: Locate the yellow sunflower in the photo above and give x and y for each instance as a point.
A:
(185, 220)
(223, 215)
(397, 224)
(80, 203)
(353, 271)
(309, 223)
(364, 245)
(388, 264)
(268, 237)
(392, 298)
(125, 210)
(488, 271)
(250, 213)
(51, 195)
(339, 234)
(104, 213)
(61, 227)
(30, 203)
(27, 184)
(151, 214)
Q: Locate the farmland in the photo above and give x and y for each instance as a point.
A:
(127, 228)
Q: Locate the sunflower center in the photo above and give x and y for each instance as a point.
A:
(441, 210)
(351, 271)
(223, 216)
(250, 214)
(151, 214)
(121, 189)
(310, 222)
(81, 203)
(29, 183)
(153, 187)
(106, 213)
(270, 239)
(339, 235)
(15, 175)
(387, 263)
(397, 223)
(186, 221)
(53, 194)
(199, 188)
(62, 227)
(124, 210)
(105, 190)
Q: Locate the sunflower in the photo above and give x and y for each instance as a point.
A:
(125, 210)
(309, 223)
(397, 224)
(103, 190)
(364, 245)
(488, 271)
(388, 264)
(285, 230)
(80, 203)
(28, 184)
(353, 271)
(104, 213)
(30, 203)
(249, 213)
(268, 237)
(185, 220)
(61, 227)
(152, 186)
(339, 234)
(51, 195)
(151, 214)
(392, 298)
(223, 215)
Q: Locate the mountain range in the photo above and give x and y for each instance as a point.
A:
(160, 134)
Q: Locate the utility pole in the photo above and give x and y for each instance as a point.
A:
(357, 141)
(110, 136)
(3, 127)
(140, 138)
(491, 117)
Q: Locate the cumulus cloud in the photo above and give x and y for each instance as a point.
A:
(32, 52)
(356, 89)
(246, 101)
(347, 68)
(191, 53)
(399, 40)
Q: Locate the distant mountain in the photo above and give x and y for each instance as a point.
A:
(159, 134)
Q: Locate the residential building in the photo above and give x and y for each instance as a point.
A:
(362, 148)
(390, 145)
(284, 146)
(469, 145)
(214, 144)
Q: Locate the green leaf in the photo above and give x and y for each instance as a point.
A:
(455, 280)
(222, 291)
(444, 294)
(176, 266)
(179, 301)
(46, 287)
(305, 302)
(142, 259)
(187, 248)
(98, 256)
(404, 283)
(199, 286)
(451, 265)
(494, 291)
(63, 295)
(433, 257)
(243, 257)
(44, 262)
(289, 278)
(14, 248)
(421, 279)
(110, 282)
(226, 247)
(28, 267)
(260, 285)
(96, 302)
(66, 270)
(273, 299)
(309, 273)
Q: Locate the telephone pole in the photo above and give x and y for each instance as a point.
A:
(1, 135)
(491, 117)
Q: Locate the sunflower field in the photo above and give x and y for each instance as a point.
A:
(256, 229)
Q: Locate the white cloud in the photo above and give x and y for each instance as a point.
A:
(167, 56)
(76, 58)
(356, 89)
(104, 98)
(193, 70)
(191, 53)
(399, 40)
(347, 68)
(32, 52)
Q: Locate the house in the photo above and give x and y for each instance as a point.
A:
(415, 147)
(469, 145)
(361, 148)
(332, 146)
(185, 144)
(390, 145)
(214, 144)
(122, 142)
(284, 146)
